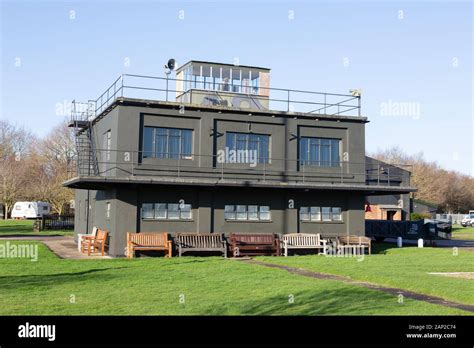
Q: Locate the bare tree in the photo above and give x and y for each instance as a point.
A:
(452, 191)
(57, 152)
(15, 150)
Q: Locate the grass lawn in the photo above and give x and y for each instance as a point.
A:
(25, 227)
(462, 233)
(405, 268)
(210, 285)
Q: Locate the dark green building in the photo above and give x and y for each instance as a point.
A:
(215, 149)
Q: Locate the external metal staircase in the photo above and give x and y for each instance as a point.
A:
(82, 115)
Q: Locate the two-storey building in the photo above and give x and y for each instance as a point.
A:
(215, 149)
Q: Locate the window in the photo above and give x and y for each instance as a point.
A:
(147, 211)
(167, 143)
(107, 145)
(247, 212)
(257, 143)
(320, 214)
(229, 212)
(320, 152)
(264, 212)
(241, 212)
(252, 212)
(166, 211)
(221, 78)
(336, 214)
(326, 213)
(315, 213)
(107, 211)
(161, 211)
(304, 214)
(173, 211)
(185, 211)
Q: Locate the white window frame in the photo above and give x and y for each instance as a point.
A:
(315, 214)
(107, 210)
(231, 212)
(181, 215)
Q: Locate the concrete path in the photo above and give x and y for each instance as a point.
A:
(63, 246)
(392, 291)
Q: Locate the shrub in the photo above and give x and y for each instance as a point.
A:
(419, 216)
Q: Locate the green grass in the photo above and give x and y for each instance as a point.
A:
(210, 285)
(462, 233)
(25, 227)
(405, 268)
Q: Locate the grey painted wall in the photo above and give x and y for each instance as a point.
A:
(208, 211)
(126, 122)
(209, 128)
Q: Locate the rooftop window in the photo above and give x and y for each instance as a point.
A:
(224, 78)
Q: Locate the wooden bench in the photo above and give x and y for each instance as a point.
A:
(91, 243)
(148, 241)
(200, 242)
(355, 240)
(254, 244)
(82, 235)
(303, 241)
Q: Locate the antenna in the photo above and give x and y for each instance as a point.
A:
(169, 67)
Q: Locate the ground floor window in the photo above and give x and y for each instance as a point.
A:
(247, 212)
(320, 214)
(166, 211)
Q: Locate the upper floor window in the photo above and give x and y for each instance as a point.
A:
(167, 142)
(222, 78)
(255, 144)
(107, 144)
(322, 152)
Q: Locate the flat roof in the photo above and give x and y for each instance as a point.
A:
(224, 64)
(212, 108)
(99, 182)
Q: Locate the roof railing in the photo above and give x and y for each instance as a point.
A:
(160, 88)
(142, 163)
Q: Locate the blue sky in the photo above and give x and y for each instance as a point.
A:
(414, 53)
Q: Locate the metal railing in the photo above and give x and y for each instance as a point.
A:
(160, 88)
(134, 163)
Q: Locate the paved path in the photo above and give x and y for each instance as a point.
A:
(392, 291)
(63, 246)
(443, 243)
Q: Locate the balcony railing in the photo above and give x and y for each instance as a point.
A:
(168, 89)
(121, 164)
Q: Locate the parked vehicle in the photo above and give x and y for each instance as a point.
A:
(468, 219)
(30, 210)
(444, 222)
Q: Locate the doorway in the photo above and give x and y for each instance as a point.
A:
(391, 214)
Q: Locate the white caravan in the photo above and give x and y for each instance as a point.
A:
(30, 210)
